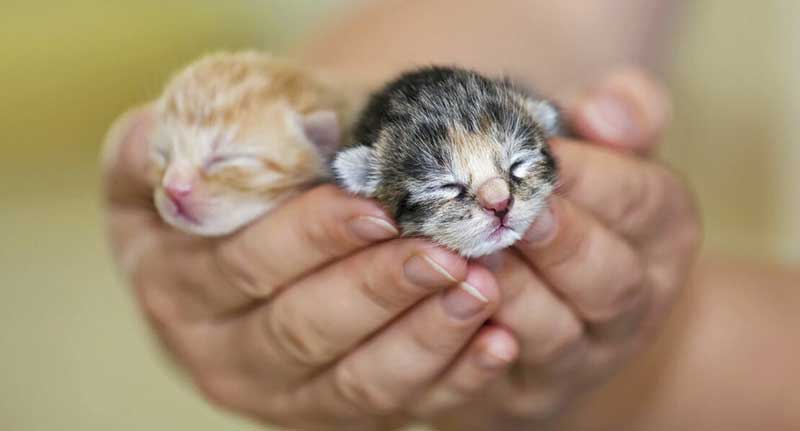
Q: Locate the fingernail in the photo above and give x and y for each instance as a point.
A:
(542, 230)
(611, 118)
(422, 270)
(372, 228)
(497, 354)
(464, 301)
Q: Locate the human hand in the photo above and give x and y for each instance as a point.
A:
(309, 318)
(596, 275)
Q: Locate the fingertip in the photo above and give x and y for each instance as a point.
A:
(544, 227)
(124, 157)
(648, 97)
(449, 264)
(628, 110)
(497, 347)
(372, 229)
(131, 126)
(330, 216)
(482, 282)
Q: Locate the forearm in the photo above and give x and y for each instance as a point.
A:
(557, 46)
(727, 359)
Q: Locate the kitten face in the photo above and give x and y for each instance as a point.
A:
(470, 171)
(472, 192)
(236, 134)
(483, 198)
(211, 179)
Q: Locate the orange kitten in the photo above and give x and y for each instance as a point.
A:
(236, 134)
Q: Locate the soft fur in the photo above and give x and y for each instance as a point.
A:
(240, 132)
(429, 140)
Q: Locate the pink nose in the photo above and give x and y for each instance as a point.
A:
(501, 205)
(494, 196)
(178, 191)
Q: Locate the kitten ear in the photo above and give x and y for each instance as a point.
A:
(323, 130)
(546, 114)
(353, 169)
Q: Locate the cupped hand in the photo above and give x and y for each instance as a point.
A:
(314, 317)
(595, 276)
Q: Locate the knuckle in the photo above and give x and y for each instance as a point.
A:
(325, 235)
(389, 296)
(644, 193)
(567, 334)
(234, 261)
(384, 282)
(437, 342)
(321, 234)
(623, 291)
(324, 230)
(157, 306)
(220, 390)
(360, 394)
(292, 341)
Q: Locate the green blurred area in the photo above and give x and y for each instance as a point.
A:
(75, 353)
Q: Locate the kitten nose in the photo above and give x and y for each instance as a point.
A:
(493, 195)
(178, 191)
(177, 182)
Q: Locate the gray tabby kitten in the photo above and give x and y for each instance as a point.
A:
(454, 156)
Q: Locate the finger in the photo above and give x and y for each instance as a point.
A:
(300, 236)
(596, 272)
(329, 312)
(142, 245)
(547, 329)
(628, 110)
(631, 196)
(124, 159)
(486, 359)
(384, 374)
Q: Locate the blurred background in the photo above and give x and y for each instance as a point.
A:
(76, 356)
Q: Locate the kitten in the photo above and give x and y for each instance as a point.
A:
(454, 156)
(235, 135)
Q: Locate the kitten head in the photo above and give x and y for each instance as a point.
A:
(211, 179)
(472, 181)
(236, 134)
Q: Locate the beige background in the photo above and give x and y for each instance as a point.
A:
(75, 355)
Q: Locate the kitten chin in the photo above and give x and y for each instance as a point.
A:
(235, 134)
(455, 157)
(221, 220)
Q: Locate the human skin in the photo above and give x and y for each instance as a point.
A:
(727, 358)
(704, 372)
(253, 320)
(250, 318)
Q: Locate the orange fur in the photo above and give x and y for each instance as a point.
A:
(249, 107)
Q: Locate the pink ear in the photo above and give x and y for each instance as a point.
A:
(323, 130)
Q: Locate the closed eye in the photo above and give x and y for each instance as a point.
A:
(457, 189)
(519, 168)
(243, 161)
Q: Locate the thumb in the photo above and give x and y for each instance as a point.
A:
(628, 110)
(124, 158)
